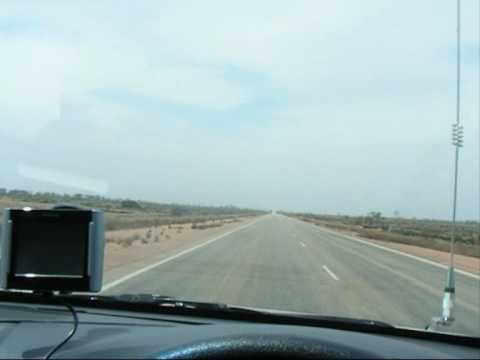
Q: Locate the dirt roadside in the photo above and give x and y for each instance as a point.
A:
(462, 262)
(124, 255)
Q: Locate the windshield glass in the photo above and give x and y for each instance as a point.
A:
(284, 155)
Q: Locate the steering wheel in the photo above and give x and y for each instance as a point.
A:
(263, 346)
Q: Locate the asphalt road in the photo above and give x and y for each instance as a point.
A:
(285, 264)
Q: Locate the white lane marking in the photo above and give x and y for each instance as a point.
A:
(432, 290)
(303, 245)
(170, 258)
(466, 273)
(329, 272)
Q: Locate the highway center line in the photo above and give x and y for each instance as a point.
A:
(170, 258)
(301, 243)
(329, 272)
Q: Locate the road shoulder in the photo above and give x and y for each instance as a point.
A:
(120, 262)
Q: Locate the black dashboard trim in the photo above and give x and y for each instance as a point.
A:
(260, 318)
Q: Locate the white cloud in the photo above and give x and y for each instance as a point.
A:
(29, 95)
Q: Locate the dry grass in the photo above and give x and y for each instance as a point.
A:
(231, 221)
(462, 248)
(151, 227)
(119, 220)
(209, 225)
(155, 234)
(127, 240)
(136, 220)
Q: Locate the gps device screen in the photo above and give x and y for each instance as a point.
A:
(50, 245)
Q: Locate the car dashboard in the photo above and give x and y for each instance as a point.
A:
(31, 331)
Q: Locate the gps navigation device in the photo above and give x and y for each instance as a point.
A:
(59, 249)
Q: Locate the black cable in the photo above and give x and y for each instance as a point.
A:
(70, 334)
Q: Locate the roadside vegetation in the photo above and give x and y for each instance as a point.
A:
(123, 214)
(427, 233)
(161, 233)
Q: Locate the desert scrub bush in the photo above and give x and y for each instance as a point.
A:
(136, 236)
(127, 241)
(206, 226)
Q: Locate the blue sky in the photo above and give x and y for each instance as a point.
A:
(327, 106)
